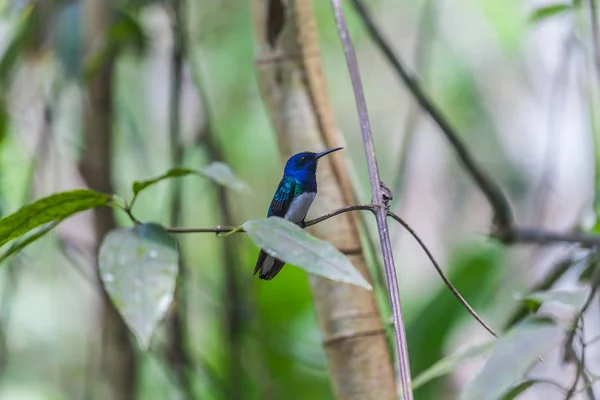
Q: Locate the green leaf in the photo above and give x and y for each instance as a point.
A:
(288, 242)
(4, 120)
(217, 172)
(138, 186)
(53, 208)
(517, 390)
(223, 175)
(448, 364)
(574, 298)
(512, 358)
(126, 33)
(591, 263)
(19, 43)
(138, 268)
(550, 11)
(27, 239)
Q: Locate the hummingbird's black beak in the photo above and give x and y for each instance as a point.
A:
(324, 153)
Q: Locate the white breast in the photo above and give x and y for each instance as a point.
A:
(299, 207)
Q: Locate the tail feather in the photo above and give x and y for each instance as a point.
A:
(267, 265)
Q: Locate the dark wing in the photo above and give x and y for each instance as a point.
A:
(283, 197)
(279, 205)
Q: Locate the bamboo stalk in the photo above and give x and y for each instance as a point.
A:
(293, 88)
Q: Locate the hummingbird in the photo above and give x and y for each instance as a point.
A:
(292, 199)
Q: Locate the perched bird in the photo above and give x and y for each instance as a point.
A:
(291, 201)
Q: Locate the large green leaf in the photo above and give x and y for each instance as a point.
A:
(286, 241)
(573, 298)
(138, 267)
(448, 364)
(53, 208)
(512, 358)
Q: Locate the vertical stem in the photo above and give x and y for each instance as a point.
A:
(233, 296)
(177, 324)
(233, 293)
(119, 361)
(378, 200)
(177, 150)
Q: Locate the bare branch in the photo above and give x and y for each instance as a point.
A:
(377, 199)
(503, 218)
(542, 237)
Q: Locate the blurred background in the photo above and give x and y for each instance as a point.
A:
(521, 90)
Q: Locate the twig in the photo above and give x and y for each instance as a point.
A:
(441, 273)
(594, 340)
(377, 199)
(370, 207)
(503, 218)
(569, 349)
(521, 235)
(226, 229)
(580, 364)
(542, 236)
(217, 229)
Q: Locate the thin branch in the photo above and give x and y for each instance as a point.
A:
(580, 364)
(542, 237)
(579, 320)
(441, 273)
(377, 199)
(370, 207)
(176, 352)
(503, 217)
(227, 229)
(217, 229)
(521, 235)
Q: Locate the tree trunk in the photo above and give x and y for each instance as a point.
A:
(118, 356)
(293, 87)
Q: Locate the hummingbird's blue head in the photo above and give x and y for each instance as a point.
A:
(303, 166)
